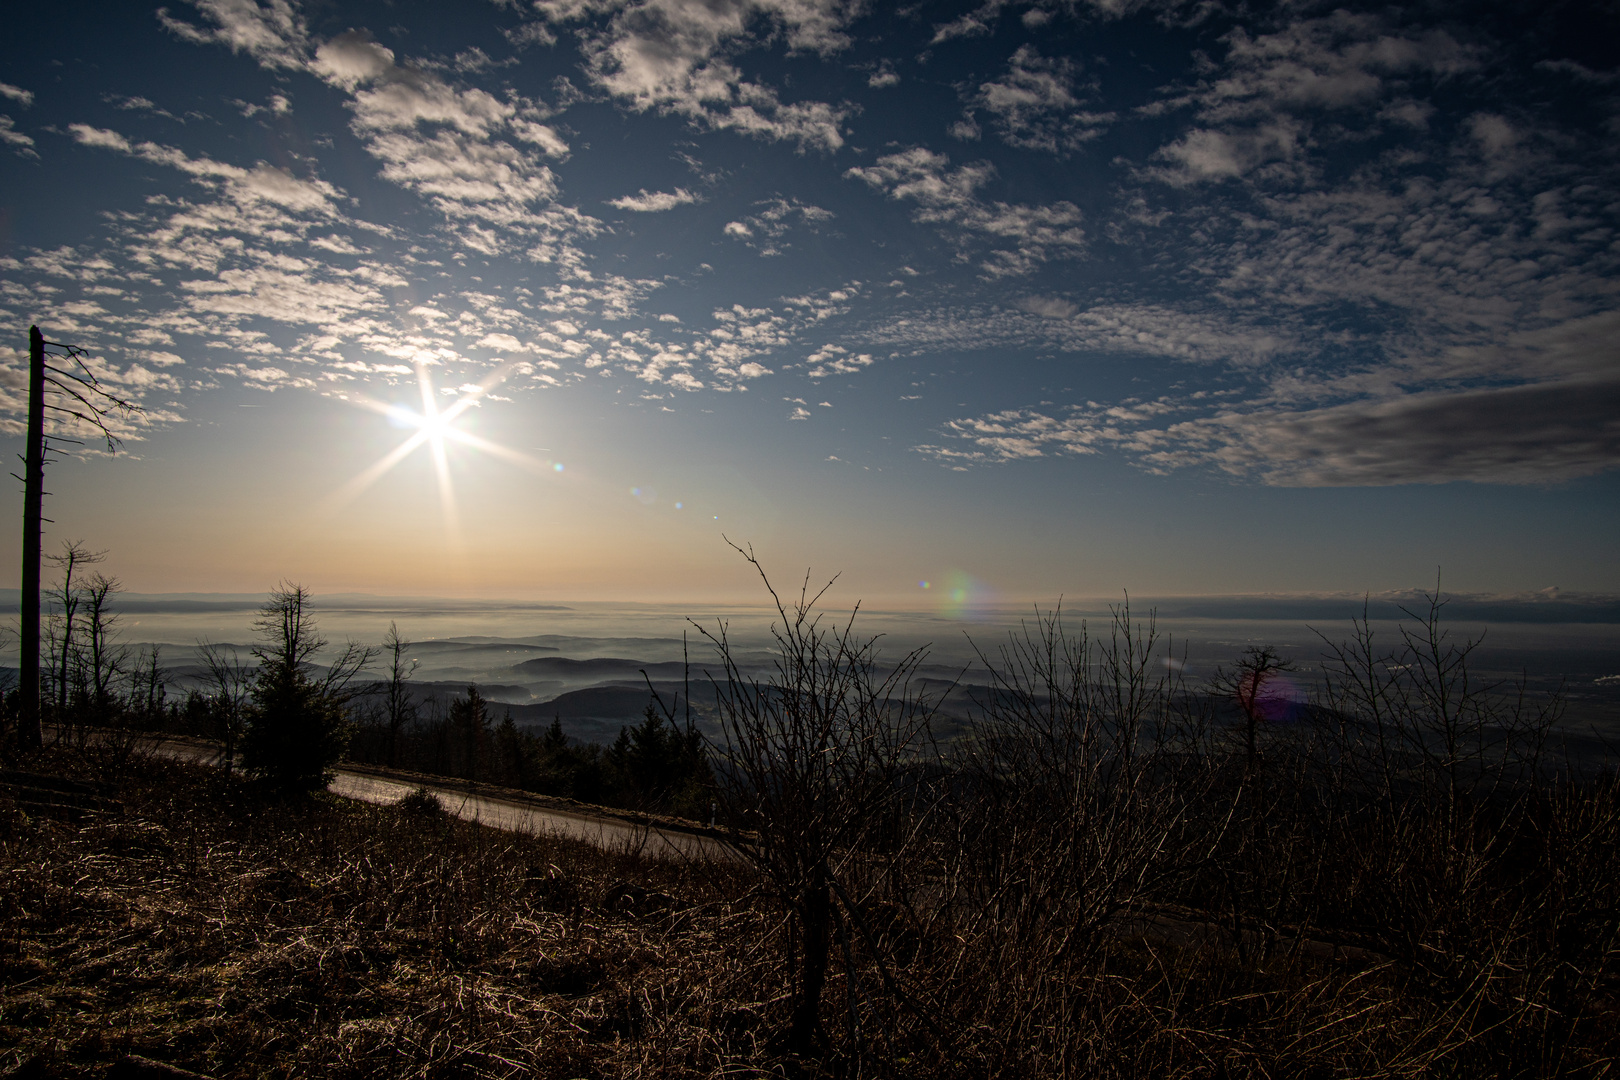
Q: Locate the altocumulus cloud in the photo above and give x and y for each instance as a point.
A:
(651, 202)
(1294, 247)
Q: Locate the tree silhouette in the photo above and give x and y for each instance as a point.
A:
(232, 681)
(297, 727)
(66, 596)
(61, 385)
(815, 767)
(469, 719)
(396, 690)
(1254, 682)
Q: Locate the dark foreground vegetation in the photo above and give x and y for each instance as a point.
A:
(1111, 874)
(216, 927)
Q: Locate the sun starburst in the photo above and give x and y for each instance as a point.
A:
(435, 429)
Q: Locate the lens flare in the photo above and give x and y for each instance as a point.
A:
(1274, 697)
(961, 596)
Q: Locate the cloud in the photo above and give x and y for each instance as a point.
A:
(765, 229)
(279, 105)
(1188, 336)
(1204, 154)
(741, 337)
(265, 378)
(1533, 434)
(1048, 307)
(1332, 229)
(25, 98)
(262, 183)
(652, 202)
(1036, 106)
(85, 135)
(975, 23)
(503, 342)
(465, 151)
(351, 59)
(948, 197)
(272, 32)
(459, 149)
(672, 55)
(1579, 72)
(652, 49)
(139, 104)
(1260, 105)
(526, 34)
(23, 144)
(407, 99)
(835, 360)
(289, 298)
(546, 138)
(1560, 426)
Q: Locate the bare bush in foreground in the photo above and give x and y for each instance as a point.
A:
(815, 767)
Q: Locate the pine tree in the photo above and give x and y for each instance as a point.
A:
(297, 725)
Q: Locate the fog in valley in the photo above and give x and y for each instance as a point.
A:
(589, 665)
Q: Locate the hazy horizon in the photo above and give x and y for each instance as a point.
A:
(1546, 637)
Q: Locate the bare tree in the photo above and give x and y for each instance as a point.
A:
(61, 630)
(232, 681)
(397, 700)
(147, 686)
(815, 762)
(105, 661)
(1065, 813)
(61, 386)
(1254, 683)
(1429, 718)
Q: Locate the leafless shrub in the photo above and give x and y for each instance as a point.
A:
(816, 764)
(1063, 817)
(1424, 722)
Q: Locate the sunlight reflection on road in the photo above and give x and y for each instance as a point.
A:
(604, 833)
(513, 817)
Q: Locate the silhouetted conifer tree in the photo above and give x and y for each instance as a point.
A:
(297, 727)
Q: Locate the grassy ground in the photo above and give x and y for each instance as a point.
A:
(217, 930)
(214, 928)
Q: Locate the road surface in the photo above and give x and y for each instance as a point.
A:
(510, 815)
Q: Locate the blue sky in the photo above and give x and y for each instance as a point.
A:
(1014, 299)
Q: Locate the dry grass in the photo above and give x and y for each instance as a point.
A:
(222, 931)
(217, 930)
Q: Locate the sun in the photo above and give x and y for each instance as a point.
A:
(435, 429)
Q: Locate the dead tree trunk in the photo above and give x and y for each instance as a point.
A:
(28, 731)
(83, 405)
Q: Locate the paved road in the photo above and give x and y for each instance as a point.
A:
(509, 815)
